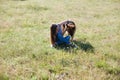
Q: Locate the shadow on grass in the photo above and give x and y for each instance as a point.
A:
(84, 45)
(79, 45)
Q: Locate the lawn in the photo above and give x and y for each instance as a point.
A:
(25, 52)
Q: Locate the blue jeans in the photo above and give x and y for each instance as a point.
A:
(63, 40)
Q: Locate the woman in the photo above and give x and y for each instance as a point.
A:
(57, 32)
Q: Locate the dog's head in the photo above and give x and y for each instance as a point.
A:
(70, 24)
(71, 27)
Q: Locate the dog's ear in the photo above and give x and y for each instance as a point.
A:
(64, 25)
(67, 25)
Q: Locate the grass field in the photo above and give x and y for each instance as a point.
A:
(25, 52)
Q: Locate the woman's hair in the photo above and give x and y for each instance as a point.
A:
(53, 33)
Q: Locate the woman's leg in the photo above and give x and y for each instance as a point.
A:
(67, 38)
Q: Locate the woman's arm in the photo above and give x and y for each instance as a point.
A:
(64, 27)
(64, 30)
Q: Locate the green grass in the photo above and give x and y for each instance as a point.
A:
(25, 52)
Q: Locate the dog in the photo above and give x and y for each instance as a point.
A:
(71, 28)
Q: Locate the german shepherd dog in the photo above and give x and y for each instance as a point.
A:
(71, 28)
